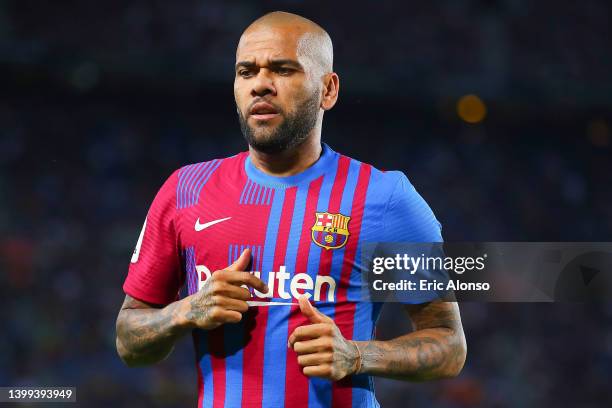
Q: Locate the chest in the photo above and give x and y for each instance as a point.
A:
(298, 243)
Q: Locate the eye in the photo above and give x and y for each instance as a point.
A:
(245, 73)
(284, 71)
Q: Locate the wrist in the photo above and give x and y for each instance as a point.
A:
(182, 320)
(358, 366)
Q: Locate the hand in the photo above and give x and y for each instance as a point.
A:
(222, 299)
(321, 348)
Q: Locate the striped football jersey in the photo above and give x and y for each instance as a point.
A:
(305, 233)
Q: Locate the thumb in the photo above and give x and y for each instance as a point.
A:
(242, 263)
(311, 312)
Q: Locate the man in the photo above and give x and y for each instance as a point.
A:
(293, 333)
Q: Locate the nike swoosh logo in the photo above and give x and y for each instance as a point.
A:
(199, 227)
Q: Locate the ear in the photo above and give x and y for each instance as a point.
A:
(331, 86)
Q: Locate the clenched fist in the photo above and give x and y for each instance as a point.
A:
(322, 350)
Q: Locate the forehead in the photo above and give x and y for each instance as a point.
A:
(267, 42)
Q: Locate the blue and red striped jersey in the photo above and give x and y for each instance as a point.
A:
(305, 232)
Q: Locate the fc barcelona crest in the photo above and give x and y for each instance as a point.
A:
(330, 231)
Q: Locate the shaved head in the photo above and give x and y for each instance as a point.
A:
(313, 42)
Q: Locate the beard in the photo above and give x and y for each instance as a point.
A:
(290, 133)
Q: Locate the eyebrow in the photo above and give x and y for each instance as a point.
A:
(274, 63)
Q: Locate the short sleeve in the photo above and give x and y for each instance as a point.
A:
(412, 229)
(155, 274)
(408, 218)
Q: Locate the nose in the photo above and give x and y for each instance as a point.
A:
(263, 84)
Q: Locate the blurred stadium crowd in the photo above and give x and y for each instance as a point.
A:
(100, 104)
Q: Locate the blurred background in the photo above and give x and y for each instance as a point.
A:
(499, 112)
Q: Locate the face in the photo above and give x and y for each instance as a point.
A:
(277, 95)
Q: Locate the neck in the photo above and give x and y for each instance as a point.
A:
(289, 162)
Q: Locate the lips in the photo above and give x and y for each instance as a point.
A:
(263, 111)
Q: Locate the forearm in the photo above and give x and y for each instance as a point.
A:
(146, 336)
(425, 354)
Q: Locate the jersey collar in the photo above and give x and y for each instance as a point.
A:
(311, 173)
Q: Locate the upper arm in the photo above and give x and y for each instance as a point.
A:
(437, 314)
(131, 303)
(443, 319)
(155, 274)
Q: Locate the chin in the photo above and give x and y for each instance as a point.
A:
(264, 139)
(263, 132)
(264, 123)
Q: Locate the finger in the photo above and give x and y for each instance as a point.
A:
(323, 371)
(218, 316)
(242, 263)
(230, 316)
(315, 359)
(313, 346)
(227, 289)
(311, 312)
(242, 278)
(311, 331)
(232, 304)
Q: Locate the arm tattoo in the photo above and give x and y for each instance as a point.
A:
(146, 334)
(436, 349)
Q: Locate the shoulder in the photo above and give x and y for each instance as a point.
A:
(195, 170)
(188, 180)
(381, 183)
(405, 215)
